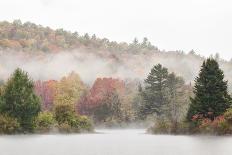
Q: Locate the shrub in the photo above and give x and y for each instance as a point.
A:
(224, 128)
(44, 121)
(85, 123)
(217, 126)
(228, 115)
(205, 126)
(162, 126)
(65, 128)
(69, 121)
(76, 124)
(64, 113)
(8, 125)
(183, 127)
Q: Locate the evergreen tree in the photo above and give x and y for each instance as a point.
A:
(145, 42)
(135, 41)
(211, 96)
(94, 37)
(19, 100)
(86, 36)
(154, 93)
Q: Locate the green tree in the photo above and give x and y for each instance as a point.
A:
(20, 101)
(68, 120)
(173, 112)
(64, 112)
(44, 121)
(211, 96)
(154, 92)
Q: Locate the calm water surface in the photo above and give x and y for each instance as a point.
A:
(115, 142)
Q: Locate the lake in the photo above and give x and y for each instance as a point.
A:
(115, 142)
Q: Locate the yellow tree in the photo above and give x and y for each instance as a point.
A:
(69, 89)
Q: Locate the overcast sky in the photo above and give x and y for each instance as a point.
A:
(202, 25)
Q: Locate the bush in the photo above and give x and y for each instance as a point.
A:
(165, 126)
(74, 123)
(228, 115)
(161, 126)
(65, 128)
(220, 125)
(69, 121)
(224, 128)
(217, 126)
(85, 123)
(205, 126)
(64, 113)
(183, 127)
(8, 125)
(44, 121)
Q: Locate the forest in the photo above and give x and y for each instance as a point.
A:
(53, 85)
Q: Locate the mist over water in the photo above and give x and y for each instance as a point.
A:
(115, 142)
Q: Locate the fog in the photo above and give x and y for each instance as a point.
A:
(115, 142)
(56, 65)
(91, 64)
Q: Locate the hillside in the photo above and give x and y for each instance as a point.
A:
(29, 36)
(40, 50)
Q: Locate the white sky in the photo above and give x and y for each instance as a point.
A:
(202, 25)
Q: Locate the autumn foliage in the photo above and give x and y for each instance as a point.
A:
(46, 91)
(101, 88)
(69, 89)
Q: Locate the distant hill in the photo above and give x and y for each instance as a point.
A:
(29, 36)
(124, 60)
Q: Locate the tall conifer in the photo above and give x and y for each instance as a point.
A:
(211, 95)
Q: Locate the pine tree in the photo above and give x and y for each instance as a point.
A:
(135, 41)
(19, 100)
(145, 42)
(154, 93)
(211, 96)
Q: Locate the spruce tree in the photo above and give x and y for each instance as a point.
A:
(19, 100)
(154, 92)
(211, 96)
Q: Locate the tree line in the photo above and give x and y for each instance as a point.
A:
(31, 37)
(69, 105)
(21, 112)
(205, 109)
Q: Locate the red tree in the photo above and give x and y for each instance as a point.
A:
(46, 91)
(100, 89)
